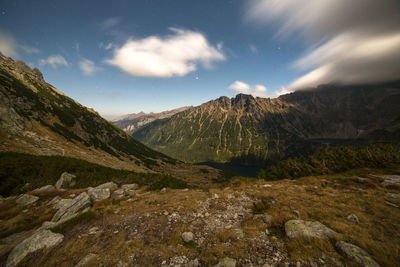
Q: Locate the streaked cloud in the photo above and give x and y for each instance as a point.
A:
(88, 67)
(349, 41)
(240, 87)
(54, 61)
(11, 48)
(176, 54)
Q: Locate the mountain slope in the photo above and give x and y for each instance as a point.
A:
(36, 118)
(131, 122)
(253, 130)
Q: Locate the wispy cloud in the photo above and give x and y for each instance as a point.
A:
(11, 48)
(174, 55)
(88, 67)
(54, 61)
(350, 41)
(253, 49)
(244, 88)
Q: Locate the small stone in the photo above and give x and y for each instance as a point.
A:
(216, 196)
(353, 218)
(187, 237)
(116, 232)
(267, 186)
(118, 193)
(72, 196)
(66, 180)
(226, 262)
(185, 190)
(85, 260)
(26, 200)
(267, 219)
(166, 213)
(130, 186)
(163, 190)
(193, 263)
(360, 180)
(296, 213)
(93, 230)
(391, 204)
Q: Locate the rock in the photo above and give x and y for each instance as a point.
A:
(226, 262)
(193, 263)
(93, 230)
(66, 180)
(391, 204)
(63, 202)
(360, 180)
(267, 219)
(40, 240)
(118, 193)
(109, 185)
(355, 253)
(46, 188)
(389, 180)
(55, 200)
(299, 228)
(71, 207)
(163, 190)
(187, 237)
(239, 233)
(15, 238)
(130, 187)
(353, 218)
(85, 260)
(296, 213)
(393, 195)
(26, 200)
(97, 194)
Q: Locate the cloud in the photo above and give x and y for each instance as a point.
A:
(243, 88)
(253, 49)
(110, 23)
(11, 48)
(349, 41)
(174, 55)
(88, 67)
(54, 61)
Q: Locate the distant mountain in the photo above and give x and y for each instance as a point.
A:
(36, 118)
(253, 130)
(131, 122)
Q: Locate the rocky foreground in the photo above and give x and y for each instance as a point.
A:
(314, 221)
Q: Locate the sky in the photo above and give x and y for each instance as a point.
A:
(127, 56)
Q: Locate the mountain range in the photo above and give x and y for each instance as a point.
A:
(253, 130)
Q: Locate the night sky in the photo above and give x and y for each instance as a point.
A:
(123, 56)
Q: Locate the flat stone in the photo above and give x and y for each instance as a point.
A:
(46, 188)
(85, 260)
(393, 195)
(70, 208)
(40, 240)
(26, 200)
(353, 218)
(97, 194)
(55, 200)
(109, 185)
(130, 186)
(118, 193)
(357, 254)
(300, 228)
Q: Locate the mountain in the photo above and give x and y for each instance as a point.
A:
(253, 130)
(131, 122)
(36, 118)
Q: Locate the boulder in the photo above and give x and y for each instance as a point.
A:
(226, 262)
(109, 185)
(46, 188)
(187, 237)
(97, 194)
(77, 204)
(127, 187)
(300, 228)
(85, 260)
(393, 195)
(62, 203)
(357, 254)
(118, 193)
(40, 240)
(26, 200)
(66, 180)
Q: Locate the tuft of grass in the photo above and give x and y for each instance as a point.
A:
(261, 206)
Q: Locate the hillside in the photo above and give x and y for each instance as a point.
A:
(258, 130)
(131, 122)
(36, 118)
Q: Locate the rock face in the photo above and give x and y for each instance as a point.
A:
(66, 180)
(40, 240)
(299, 228)
(109, 185)
(26, 200)
(97, 194)
(71, 207)
(360, 256)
